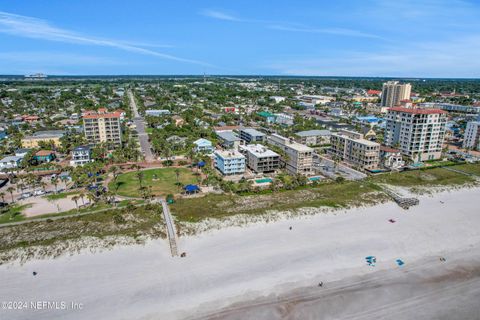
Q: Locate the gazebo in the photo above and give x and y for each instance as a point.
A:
(191, 189)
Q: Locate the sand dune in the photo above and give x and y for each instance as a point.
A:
(228, 272)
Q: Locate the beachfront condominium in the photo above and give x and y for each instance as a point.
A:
(418, 133)
(260, 159)
(298, 158)
(250, 135)
(229, 162)
(351, 147)
(471, 139)
(394, 92)
(313, 137)
(102, 127)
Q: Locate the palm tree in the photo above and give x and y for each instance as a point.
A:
(76, 198)
(55, 183)
(10, 190)
(139, 175)
(91, 198)
(177, 173)
(82, 196)
(114, 171)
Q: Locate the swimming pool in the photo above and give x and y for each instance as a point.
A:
(264, 180)
(314, 178)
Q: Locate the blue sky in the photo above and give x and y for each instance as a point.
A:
(407, 38)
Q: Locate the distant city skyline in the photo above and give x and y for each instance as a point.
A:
(372, 38)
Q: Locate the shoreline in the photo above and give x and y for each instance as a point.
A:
(239, 264)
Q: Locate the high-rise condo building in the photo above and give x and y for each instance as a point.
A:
(418, 133)
(102, 126)
(393, 92)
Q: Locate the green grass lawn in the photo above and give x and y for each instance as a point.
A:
(423, 178)
(329, 194)
(13, 213)
(164, 184)
(469, 168)
(63, 195)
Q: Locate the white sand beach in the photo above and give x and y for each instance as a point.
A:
(267, 271)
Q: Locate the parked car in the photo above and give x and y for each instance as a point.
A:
(38, 192)
(26, 195)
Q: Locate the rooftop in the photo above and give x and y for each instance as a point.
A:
(253, 132)
(82, 148)
(11, 158)
(417, 110)
(310, 133)
(291, 143)
(259, 151)
(227, 136)
(226, 154)
(44, 153)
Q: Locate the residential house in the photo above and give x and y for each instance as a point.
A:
(44, 156)
(203, 145)
(81, 155)
(10, 162)
(157, 113)
(284, 119)
(391, 158)
(267, 116)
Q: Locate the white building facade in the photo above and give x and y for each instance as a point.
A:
(417, 133)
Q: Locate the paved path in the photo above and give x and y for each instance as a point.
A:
(140, 127)
(172, 235)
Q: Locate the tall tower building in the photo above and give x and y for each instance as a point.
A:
(393, 92)
(418, 133)
(102, 126)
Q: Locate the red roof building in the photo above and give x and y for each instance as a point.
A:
(417, 110)
(374, 92)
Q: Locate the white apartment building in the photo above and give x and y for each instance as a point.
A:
(351, 147)
(313, 137)
(299, 158)
(260, 159)
(471, 139)
(81, 155)
(418, 133)
(102, 127)
(393, 92)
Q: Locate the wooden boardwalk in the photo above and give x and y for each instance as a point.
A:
(171, 232)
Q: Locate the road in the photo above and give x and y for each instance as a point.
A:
(172, 235)
(140, 127)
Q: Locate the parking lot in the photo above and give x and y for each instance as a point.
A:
(326, 167)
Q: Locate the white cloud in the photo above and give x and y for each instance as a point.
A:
(286, 26)
(218, 15)
(332, 31)
(454, 58)
(30, 27)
